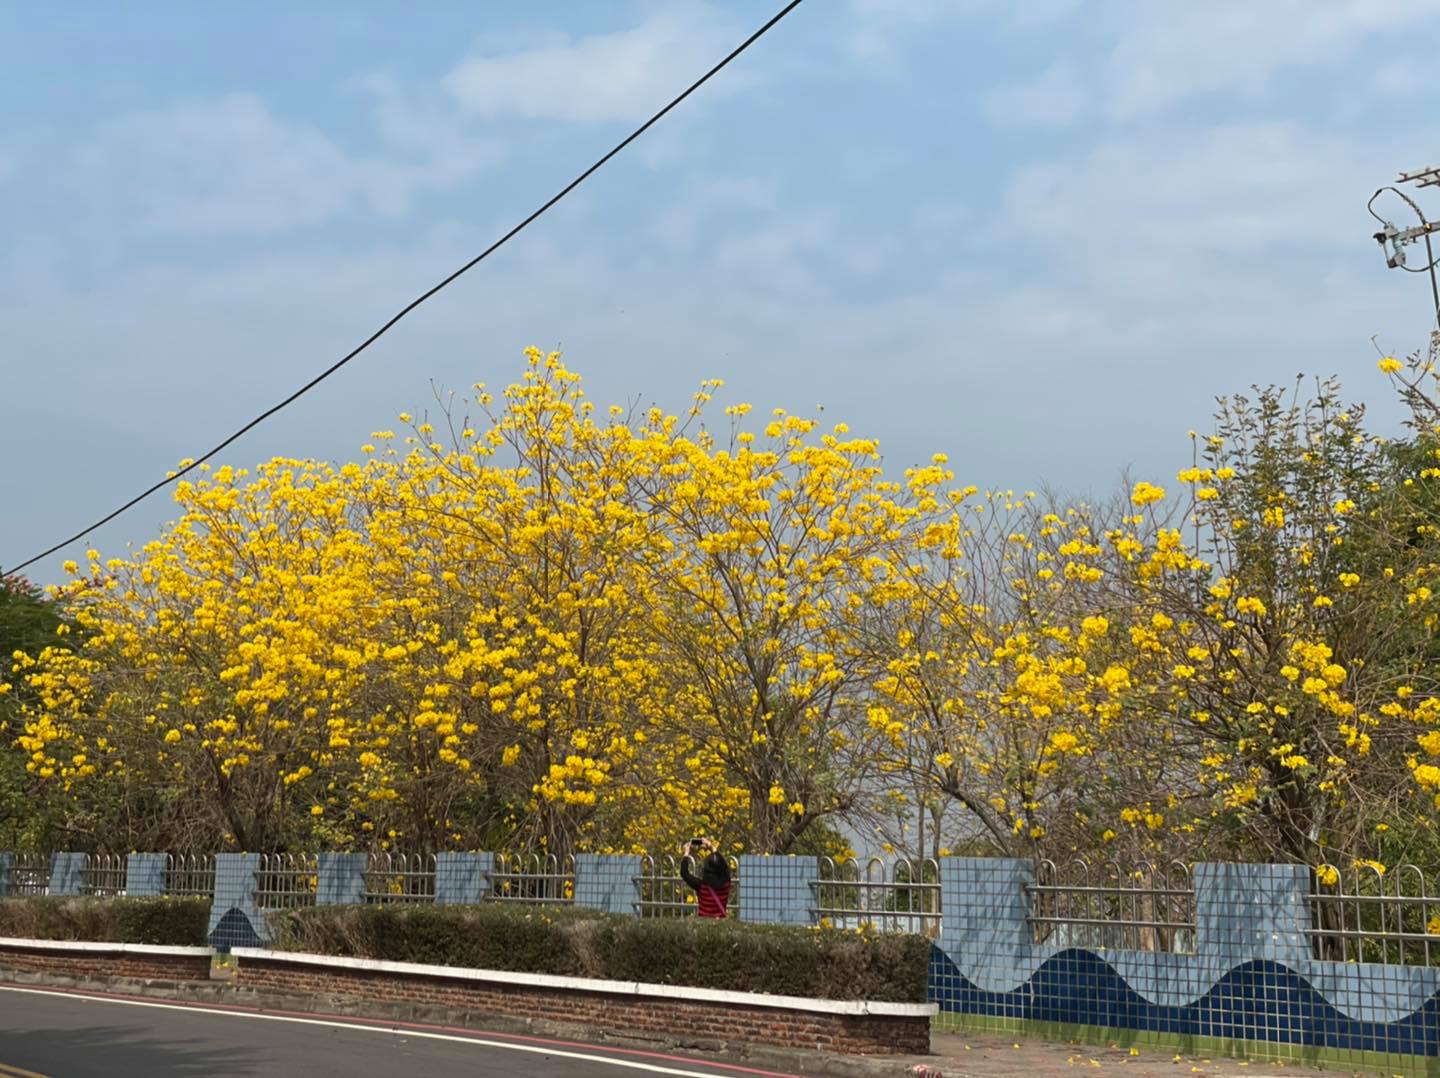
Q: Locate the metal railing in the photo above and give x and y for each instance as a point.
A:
(399, 877)
(532, 877)
(662, 892)
(1140, 907)
(1366, 914)
(190, 875)
(28, 875)
(901, 895)
(104, 875)
(286, 880)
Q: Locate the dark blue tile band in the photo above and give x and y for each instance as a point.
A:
(1258, 1001)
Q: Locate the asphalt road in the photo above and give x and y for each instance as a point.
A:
(62, 1035)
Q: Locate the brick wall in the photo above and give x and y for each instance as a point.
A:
(339, 989)
(619, 1015)
(103, 965)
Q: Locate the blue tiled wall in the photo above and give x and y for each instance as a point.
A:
(606, 883)
(461, 878)
(1251, 977)
(778, 890)
(235, 920)
(67, 874)
(145, 875)
(340, 879)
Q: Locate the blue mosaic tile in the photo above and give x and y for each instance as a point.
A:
(1260, 1000)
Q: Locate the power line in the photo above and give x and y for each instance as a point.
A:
(328, 371)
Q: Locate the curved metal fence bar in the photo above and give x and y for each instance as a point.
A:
(190, 875)
(1110, 906)
(1368, 914)
(286, 880)
(399, 877)
(662, 892)
(732, 908)
(902, 895)
(532, 877)
(104, 874)
(28, 876)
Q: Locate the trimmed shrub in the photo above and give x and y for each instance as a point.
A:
(824, 963)
(528, 940)
(819, 963)
(176, 922)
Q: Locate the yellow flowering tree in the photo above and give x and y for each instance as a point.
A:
(778, 549)
(1240, 671)
(560, 629)
(551, 629)
(1301, 636)
(1027, 669)
(197, 702)
(538, 683)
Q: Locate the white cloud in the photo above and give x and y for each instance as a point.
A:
(679, 225)
(1167, 57)
(423, 127)
(880, 30)
(1137, 60)
(216, 166)
(780, 255)
(1237, 188)
(619, 76)
(880, 27)
(1065, 374)
(228, 164)
(1056, 99)
(1130, 276)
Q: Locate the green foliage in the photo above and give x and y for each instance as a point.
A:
(27, 619)
(28, 622)
(823, 964)
(179, 922)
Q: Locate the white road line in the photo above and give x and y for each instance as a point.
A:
(652, 1068)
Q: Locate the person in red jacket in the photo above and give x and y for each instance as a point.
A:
(712, 886)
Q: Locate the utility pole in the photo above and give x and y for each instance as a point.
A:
(1393, 240)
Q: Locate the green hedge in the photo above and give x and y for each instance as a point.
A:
(821, 963)
(179, 922)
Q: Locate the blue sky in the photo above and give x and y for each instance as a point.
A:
(1039, 237)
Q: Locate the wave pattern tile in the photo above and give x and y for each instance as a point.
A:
(1260, 1000)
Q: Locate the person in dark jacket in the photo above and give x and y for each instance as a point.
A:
(712, 886)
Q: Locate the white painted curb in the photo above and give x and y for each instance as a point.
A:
(103, 948)
(534, 980)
